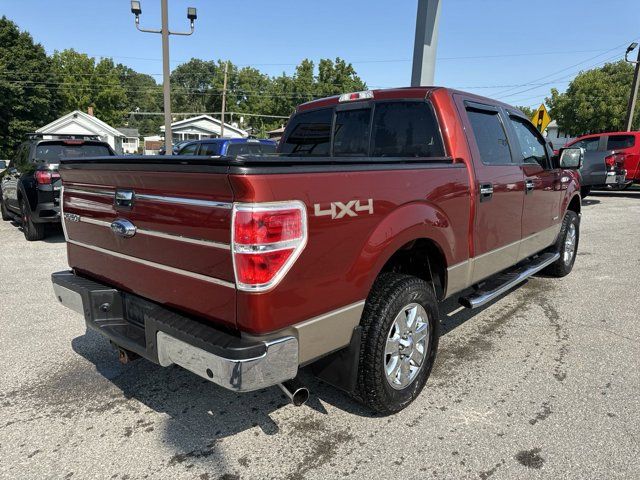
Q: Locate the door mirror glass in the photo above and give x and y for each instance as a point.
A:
(571, 157)
(3, 164)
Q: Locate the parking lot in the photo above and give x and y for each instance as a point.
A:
(543, 383)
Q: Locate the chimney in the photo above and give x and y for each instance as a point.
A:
(90, 111)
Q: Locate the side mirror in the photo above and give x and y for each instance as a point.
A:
(571, 158)
(3, 164)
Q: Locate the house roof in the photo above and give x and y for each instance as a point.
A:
(206, 118)
(87, 121)
(129, 132)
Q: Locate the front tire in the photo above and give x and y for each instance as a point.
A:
(566, 245)
(32, 231)
(584, 191)
(400, 328)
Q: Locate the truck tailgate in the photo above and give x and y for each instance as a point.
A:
(179, 252)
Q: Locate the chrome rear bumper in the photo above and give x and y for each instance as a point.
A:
(167, 338)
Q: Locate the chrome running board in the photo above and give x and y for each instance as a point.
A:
(502, 282)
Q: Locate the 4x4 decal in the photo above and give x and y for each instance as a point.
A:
(339, 210)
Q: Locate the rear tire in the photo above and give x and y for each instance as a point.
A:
(32, 231)
(3, 211)
(400, 328)
(584, 191)
(566, 245)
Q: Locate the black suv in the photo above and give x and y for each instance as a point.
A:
(30, 186)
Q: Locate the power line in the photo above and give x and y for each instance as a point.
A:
(568, 68)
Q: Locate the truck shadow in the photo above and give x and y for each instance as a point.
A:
(200, 414)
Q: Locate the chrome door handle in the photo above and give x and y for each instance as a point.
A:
(486, 191)
(529, 186)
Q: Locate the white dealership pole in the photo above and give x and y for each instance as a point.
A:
(426, 43)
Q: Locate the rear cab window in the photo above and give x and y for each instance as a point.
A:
(309, 134)
(351, 133)
(405, 129)
(235, 149)
(398, 129)
(54, 152)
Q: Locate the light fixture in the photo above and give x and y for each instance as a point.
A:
(192, 13)
(136, 8)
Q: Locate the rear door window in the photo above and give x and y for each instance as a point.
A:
(490, 136)
(618, 142)
(351, 136)
(308, 134)
(405, 129)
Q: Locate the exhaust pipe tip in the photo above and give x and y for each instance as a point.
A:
(297, 393)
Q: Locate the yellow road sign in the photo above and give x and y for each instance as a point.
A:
(541, 118)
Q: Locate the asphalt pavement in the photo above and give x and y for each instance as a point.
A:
(542, 383)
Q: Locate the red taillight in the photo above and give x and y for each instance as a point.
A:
(610, 160)
(43, 177)
(614, 159)
(266, 240)
(46, 177)
(257, 228)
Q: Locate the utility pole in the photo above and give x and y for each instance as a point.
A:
(224, 98)
(192, 15)
(426, 43)
(634, 86)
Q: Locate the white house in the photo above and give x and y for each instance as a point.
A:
(80, 123)
(203, 126)
(556, 137)
(131, 141)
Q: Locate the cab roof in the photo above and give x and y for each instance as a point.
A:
(401, 93)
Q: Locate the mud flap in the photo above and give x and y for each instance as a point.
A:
(340, 368)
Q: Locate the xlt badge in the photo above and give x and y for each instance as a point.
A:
(339, 210)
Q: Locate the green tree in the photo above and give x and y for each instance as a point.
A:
(27, 98)
(595, 101)
(528, 111)
(192, 86)
(143, 95)
(85, 83)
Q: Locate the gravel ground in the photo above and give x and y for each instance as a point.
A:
(543, 383)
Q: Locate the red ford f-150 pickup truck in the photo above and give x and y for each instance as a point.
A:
(334, 253)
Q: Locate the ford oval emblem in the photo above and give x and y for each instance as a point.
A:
(123, 228)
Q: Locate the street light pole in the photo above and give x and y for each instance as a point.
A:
(634, 86)
(192, 15)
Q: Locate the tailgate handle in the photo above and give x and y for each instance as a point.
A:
(124, 198)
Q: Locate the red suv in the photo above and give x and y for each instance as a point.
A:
(626, 144)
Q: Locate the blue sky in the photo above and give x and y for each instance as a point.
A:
(515, 50)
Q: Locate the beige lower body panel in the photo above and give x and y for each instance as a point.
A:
(323, 334)
(476, 269)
